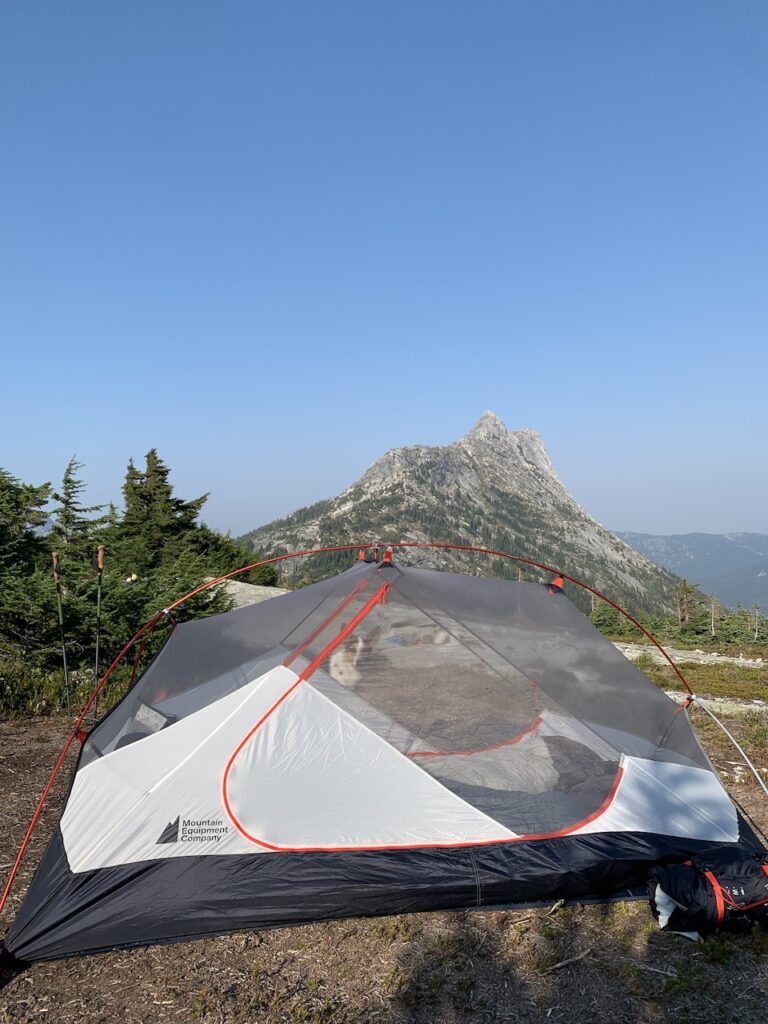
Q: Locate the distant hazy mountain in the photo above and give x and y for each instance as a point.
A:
(732, 566)
(492, 488)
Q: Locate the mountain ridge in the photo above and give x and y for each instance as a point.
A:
(732, 566)
(492, 488)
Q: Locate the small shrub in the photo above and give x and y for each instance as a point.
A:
(688, 976)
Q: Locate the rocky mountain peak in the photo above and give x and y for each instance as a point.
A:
(510, 451)
(488, 427)
(492, 488)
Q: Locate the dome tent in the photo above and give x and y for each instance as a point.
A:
(391, 739)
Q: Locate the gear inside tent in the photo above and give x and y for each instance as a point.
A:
(389, 740)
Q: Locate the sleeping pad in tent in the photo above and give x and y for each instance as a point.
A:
(390, 740)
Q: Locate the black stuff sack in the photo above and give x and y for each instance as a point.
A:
(722, 889)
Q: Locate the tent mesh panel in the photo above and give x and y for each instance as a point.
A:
(503, 692)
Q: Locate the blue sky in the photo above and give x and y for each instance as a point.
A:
(276, 239)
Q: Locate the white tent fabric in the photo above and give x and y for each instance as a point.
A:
(308, 775)
(311, 776)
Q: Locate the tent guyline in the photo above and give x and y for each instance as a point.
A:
(145, 632)
(696, 701)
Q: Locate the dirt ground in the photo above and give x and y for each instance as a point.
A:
(569, 964)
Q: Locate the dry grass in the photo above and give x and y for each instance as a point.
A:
(709, 680)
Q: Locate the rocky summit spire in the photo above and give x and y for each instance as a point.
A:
(488, 426)
(491, 442)
(492, 488)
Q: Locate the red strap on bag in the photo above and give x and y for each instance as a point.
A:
(719, 901)
(723, 898)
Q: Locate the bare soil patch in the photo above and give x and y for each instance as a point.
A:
(572, 964)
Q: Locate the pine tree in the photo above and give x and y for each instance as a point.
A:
(158, 551)
(153, 516)
(74, 525)
(689, 600)
(22, 517)
(26, 596)
(134, 510)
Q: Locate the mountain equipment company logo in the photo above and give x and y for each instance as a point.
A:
(170, 833)
(193, 830)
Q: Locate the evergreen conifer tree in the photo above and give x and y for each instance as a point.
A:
(26, 597)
